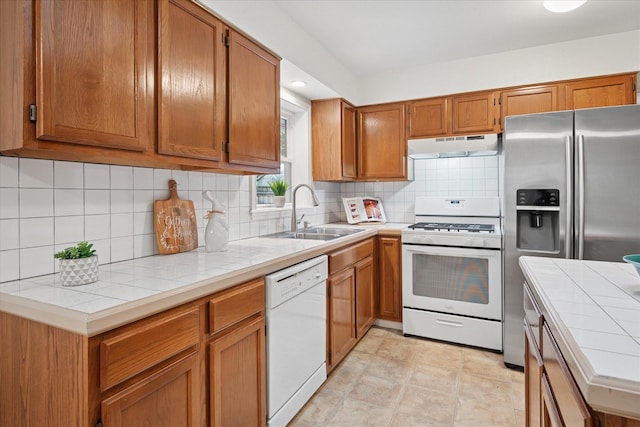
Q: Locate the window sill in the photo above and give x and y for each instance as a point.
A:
(270, 209)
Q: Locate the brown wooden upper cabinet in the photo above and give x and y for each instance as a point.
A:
(92, 83)
(254, 104)
(428, 117)
(600, 92)
(528, 100)
(333, 140)
(91, 95)
(382, 142)
(191, 77)
(475, 113)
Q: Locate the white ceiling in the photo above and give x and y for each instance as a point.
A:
(372, 36)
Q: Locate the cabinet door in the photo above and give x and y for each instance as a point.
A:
(92, 71)
(428, 118)
(191, 91)
(168, 398)
(365, 296)
(600, 92)
(474, 113)
(333, 140)
(532, 379)
(237, 376)
(390, 279)
(529, 100)
(348, 146)
(341, 328)
(254, 104)
(382, 143)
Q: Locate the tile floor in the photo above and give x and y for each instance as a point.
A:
(394, 381)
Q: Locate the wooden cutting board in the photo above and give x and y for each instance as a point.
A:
(175, 223)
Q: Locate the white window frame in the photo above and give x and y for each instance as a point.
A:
(291, 105)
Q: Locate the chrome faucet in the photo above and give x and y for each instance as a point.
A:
(294, 220)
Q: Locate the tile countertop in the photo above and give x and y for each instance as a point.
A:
(130, 290)
(596, 322)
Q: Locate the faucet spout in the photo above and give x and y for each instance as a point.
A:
(294, 217)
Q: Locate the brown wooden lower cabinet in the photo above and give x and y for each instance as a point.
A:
(341, 326)
(237, 376)
(552, 397)
(164, 399)
(389, 304)
(205, 365)
(350, 298)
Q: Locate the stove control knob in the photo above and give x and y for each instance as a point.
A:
(426, 240)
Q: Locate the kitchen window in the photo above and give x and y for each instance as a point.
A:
(295, 116)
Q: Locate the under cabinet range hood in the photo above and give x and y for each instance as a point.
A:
(454, 146)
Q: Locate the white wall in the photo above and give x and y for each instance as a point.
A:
(610, 54)
(264, 21)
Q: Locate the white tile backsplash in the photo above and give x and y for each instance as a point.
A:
(68, 174)
(36, 232)
(68, 201)
(9, 206)
(121, 177)
(96, 176)
(9, 172)
(69, 229)
(36, 202)
(112, 206)
(36, 173)
(10, 234)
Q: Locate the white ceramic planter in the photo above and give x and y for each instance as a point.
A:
(81, 271)
(279, 201)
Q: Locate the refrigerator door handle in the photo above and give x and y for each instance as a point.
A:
(569, 198)
(580, 198)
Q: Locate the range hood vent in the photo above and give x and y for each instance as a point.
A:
(454, 146)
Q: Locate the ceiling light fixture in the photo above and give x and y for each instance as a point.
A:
(298, 83)
(561, 6)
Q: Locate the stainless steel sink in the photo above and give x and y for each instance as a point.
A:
(315, 233)
(332, 230)
(301, 235)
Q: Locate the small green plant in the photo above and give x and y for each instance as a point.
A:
(278, 187)
(81, 250)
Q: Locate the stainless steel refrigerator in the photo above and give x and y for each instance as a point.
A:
(571, 190)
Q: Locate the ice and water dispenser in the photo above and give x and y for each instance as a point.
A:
(538, 213)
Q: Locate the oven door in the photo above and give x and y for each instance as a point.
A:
(463, 281)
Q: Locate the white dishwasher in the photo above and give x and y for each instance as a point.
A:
(296, 337)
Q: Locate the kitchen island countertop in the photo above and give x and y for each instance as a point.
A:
(594, 317)
(130, 290)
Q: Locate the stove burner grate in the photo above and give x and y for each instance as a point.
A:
(438, 226)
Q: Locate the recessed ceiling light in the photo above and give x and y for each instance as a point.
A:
(560, 6)
(298, 83)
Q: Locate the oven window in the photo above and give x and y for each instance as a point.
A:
(450, 277)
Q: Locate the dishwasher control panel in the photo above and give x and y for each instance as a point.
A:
(286, 284)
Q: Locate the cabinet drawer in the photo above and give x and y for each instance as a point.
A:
(236, 304)
(127, 354)
(343, 258)
(571, 405)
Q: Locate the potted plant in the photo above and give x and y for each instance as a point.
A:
(78, 264)
(279, 188)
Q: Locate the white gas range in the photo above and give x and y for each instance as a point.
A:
(452, 271)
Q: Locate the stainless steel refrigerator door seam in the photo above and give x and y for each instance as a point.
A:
(581, 192)
(569, 197)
